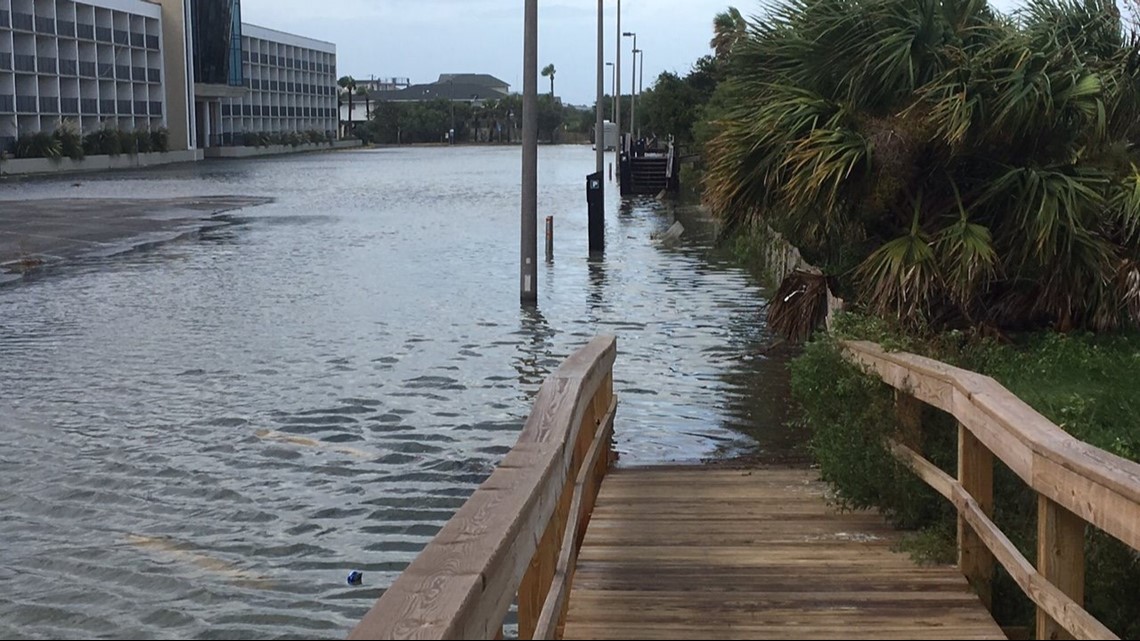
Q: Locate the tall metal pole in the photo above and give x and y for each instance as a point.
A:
(529, 271)
(600, 119)
(641, 79)
(633, 91)
(617, 95)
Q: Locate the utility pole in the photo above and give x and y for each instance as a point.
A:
(529, 267)
(633, 86)
(641, 79)
(600, 118)
(617, 95)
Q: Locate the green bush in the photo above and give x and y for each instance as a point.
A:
(1083, 383)
(70, 141)
(104, 142)
(142, 142)
(160, 139)
(38, 145)
(127, 142)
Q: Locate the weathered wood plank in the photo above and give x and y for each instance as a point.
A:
(976, 474)
(756, 571)
(1061, 562)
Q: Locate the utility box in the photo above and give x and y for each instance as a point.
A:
(596, 199)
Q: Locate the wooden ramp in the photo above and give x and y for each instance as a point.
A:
(699, 553)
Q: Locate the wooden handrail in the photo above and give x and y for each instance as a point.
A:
(505, 540)
(1076, 483)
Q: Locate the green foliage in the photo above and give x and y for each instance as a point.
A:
(978, 165)
(849, 416)
(128, 142)
(70, 140)
(160, 139)
(1082, 382)
(143, 142)
(104, 142)
(39, 145)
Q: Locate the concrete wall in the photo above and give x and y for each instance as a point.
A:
(28, 166)
(176, 68)
(274, 150)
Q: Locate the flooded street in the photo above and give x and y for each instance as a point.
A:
(203, 438)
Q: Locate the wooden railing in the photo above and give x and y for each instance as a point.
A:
(1075, 483)
(520, 532)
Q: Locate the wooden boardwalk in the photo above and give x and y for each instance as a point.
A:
(698, 553)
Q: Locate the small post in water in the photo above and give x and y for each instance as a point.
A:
(550, 239)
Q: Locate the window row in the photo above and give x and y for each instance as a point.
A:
(78, 106)
(288, 63)
(82, 31)
(288, 112)
(67, 67)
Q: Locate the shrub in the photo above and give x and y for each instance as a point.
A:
(127, 142)
(142, 141)
(38, 145)
(70, 141)
(160, 139)
(105, 141)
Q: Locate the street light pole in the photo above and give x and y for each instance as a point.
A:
(641, 78)
(600, 119)
(613, 92)
(617, 95)
(633, 86)
(529, 266)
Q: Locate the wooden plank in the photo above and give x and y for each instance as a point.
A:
(1061, 562)
(976, 475)
(651, 569)
(585, 489)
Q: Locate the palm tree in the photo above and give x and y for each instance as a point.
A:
(947, 164)
(548, 72)
(348, 85)
(728, 28)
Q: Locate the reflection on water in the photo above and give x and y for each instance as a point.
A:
(203, 439)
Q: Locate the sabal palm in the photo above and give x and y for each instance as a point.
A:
(969, 164)
(548, 72)
(728, 27)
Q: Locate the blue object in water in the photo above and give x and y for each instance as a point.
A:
(355, 578)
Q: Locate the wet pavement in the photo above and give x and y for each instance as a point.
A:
(43, 233)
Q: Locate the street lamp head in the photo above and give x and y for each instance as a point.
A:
(609, 64)
(628, 34)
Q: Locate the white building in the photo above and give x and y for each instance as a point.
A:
(140, 65)
(291, 82)
(94, 62)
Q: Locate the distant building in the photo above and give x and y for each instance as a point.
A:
(473, 88)
(93, 62)
(142, 65)
(290, 86)
(384, 84)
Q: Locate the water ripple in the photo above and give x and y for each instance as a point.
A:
(202, 439)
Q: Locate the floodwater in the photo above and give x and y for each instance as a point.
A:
(204, 438)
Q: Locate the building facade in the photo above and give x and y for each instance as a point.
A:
(94, 63)
(290, 86)
(191, 66)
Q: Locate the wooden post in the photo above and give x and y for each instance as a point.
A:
(1060, 559)
(976, 474)
(908, 409)
(550, 239)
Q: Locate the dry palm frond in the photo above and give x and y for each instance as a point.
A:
(800, 306)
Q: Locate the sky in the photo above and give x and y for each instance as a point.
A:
(420, 39)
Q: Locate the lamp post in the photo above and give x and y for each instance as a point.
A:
(617, 93)
(640, 78)
(613, 91)
(599, 128)
(633, 85)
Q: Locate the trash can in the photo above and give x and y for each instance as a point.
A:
(596, 199)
